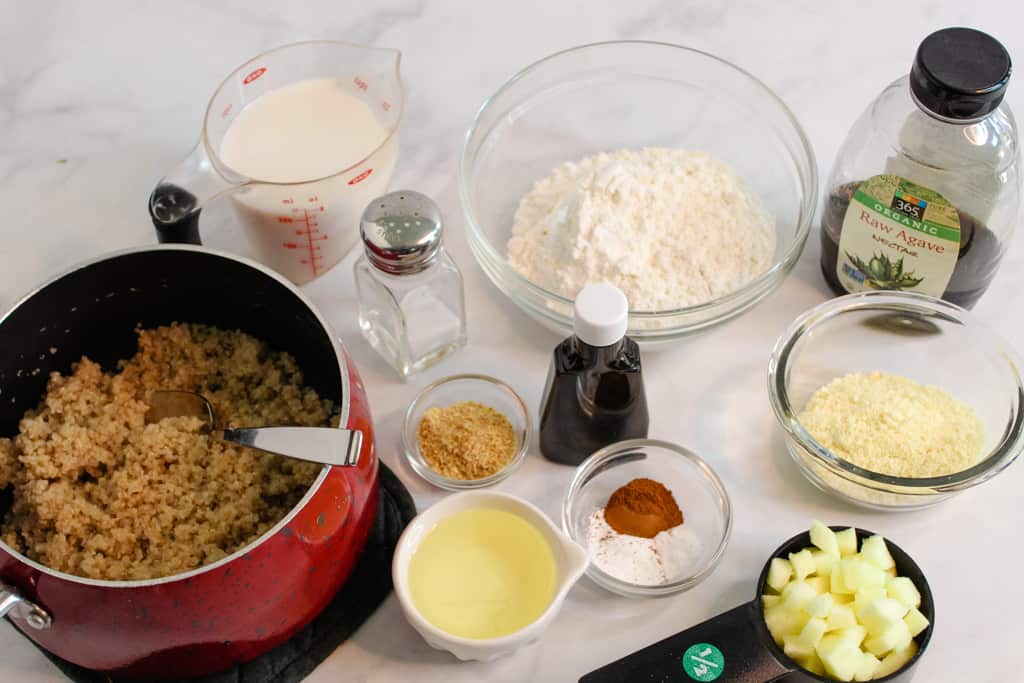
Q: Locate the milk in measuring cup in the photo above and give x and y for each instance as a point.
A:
(300, 133)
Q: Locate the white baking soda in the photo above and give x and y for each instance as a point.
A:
(668, 557)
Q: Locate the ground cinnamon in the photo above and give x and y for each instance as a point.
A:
(644, 508)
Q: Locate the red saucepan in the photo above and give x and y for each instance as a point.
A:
(231, 611)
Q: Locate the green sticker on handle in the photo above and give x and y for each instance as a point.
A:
(703, 662)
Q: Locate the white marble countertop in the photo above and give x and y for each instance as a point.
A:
(98, 100)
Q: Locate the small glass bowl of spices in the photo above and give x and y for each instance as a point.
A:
(654, 517)
(896, 401)
(466, 432)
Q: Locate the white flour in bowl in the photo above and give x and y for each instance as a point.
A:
(669, 227)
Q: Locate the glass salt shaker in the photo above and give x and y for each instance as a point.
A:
(411, 304)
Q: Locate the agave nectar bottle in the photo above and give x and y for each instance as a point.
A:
(925, 192)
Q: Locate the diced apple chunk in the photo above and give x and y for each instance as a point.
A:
(820, 605)
(841, 617)
(798, 593)
(895, 661)
(770, 601)
(875, 551)
(865, 596)
(847, 540)
(903, 589)
(820, 584)
(812, 664)
(796, 648)
(836, 584)
(880, 615)
(896, 637)
(779, 573)
(854, 635)
(840, 658)
(858, 573)
(822, 562)
(783, 620)
(915, 621)
(824, 538)
(868, 665)
(813, 631)
(802, 563)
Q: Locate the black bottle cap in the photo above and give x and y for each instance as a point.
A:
(960, 74)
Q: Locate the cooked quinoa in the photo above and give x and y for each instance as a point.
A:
(99, 493)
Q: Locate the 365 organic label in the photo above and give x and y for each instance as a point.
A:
(898, 236)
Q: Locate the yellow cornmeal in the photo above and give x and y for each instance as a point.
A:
(482, 573)
(892, 425)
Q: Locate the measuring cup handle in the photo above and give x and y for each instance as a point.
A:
(175, 203)
(175, 214)
(729, 648)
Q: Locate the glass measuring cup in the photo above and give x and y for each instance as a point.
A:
(736, 647)
(303, 226)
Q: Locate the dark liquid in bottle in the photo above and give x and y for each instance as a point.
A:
(594, 397)
(975, 267)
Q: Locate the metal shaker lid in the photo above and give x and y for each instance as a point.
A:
(401, 231)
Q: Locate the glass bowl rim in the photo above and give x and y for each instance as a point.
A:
(599, 460)
(995, 461)
(411, 449)
(781, 266)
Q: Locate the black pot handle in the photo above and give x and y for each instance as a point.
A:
(175, 214)
(728, 648)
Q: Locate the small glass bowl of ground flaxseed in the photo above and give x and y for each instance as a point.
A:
(466, 432)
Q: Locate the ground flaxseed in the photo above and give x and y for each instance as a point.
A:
(466, 440)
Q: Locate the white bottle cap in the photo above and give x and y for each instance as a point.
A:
(600, 314)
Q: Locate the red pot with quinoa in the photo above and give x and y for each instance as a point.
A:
(206, 619)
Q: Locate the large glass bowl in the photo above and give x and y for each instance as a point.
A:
(928, 340)
(609, 96)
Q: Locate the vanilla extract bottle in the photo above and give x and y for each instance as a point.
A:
(594, 394)
(924, 194)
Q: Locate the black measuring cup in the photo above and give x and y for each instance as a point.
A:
(736, 647)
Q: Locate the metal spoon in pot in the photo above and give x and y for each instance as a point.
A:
(325, 445)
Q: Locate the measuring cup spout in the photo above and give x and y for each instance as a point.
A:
(177, 199)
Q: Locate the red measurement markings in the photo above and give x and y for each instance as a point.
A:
(385, 105)
(227, 110)
(254, 75)
(308, 232)
(361, 84)
(361, 177)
